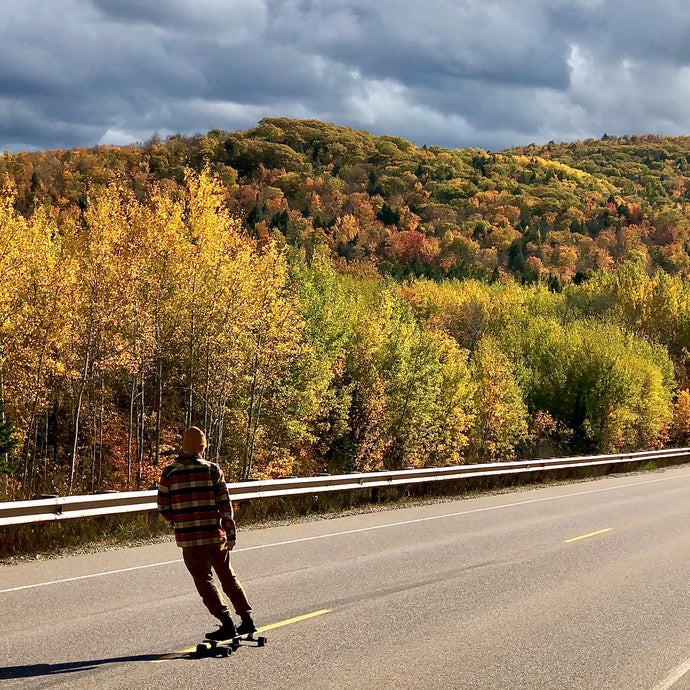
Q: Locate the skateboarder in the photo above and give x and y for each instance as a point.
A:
(193, 498)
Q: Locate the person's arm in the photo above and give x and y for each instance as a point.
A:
(224, 505)
(163, 499)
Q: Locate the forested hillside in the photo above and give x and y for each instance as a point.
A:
(557, 211)
(323, 299)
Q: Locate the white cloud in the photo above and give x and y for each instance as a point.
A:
(116, 137)
(629, 96)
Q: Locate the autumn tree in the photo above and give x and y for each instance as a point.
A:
(500, 412)
(613, 390)
(7, 441)
(680, 429)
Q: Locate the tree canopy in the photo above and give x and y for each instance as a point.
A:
(558, 212)
(320, 299)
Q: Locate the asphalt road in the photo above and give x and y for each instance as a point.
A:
(571, 586)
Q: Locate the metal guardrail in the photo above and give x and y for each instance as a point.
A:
(67, 507)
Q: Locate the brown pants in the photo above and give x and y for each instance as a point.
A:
(200, 560)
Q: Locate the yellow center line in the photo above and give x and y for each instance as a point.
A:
(272, 626)
(290, 621)
(585, 536)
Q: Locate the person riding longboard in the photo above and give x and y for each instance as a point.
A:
(194, 500)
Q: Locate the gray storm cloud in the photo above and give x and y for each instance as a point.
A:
(488, 73)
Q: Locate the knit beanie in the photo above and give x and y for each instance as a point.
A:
(194, 440)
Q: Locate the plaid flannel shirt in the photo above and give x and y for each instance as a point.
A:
(193, 497)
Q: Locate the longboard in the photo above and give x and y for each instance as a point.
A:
(227, 647)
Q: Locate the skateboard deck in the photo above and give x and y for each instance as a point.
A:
(227, 647)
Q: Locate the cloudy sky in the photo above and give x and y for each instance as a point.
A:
(455, 73)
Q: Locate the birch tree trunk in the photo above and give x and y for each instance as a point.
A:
(130, 433)
(80, 397)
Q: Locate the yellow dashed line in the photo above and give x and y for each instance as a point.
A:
(272, 626)
(297, 619)
(585, 536)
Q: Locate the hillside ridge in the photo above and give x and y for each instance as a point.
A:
(557, 212)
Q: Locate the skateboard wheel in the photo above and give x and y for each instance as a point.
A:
(226, 651)
(261, 641)
(203, 648)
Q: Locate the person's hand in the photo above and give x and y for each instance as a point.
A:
(228, 524)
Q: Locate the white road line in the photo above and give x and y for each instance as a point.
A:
(86, 577)
(673, 677)
(358, 531)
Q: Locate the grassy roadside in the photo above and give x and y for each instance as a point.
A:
(46, 540)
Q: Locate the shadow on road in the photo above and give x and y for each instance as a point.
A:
(36, 670)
